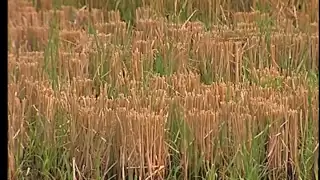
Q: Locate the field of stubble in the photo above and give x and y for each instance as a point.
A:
(168, 89)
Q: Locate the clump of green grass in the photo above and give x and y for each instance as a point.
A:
(185, 160)
(42, 157)
(176, 131)
(51, 53)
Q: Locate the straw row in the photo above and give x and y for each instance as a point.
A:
(202, 55)
(139, 127)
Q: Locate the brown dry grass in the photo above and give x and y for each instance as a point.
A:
(106, 96)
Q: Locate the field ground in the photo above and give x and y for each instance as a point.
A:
(168, 89)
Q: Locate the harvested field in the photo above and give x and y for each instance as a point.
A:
(170, 89)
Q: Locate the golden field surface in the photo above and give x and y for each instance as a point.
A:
(168, 89)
